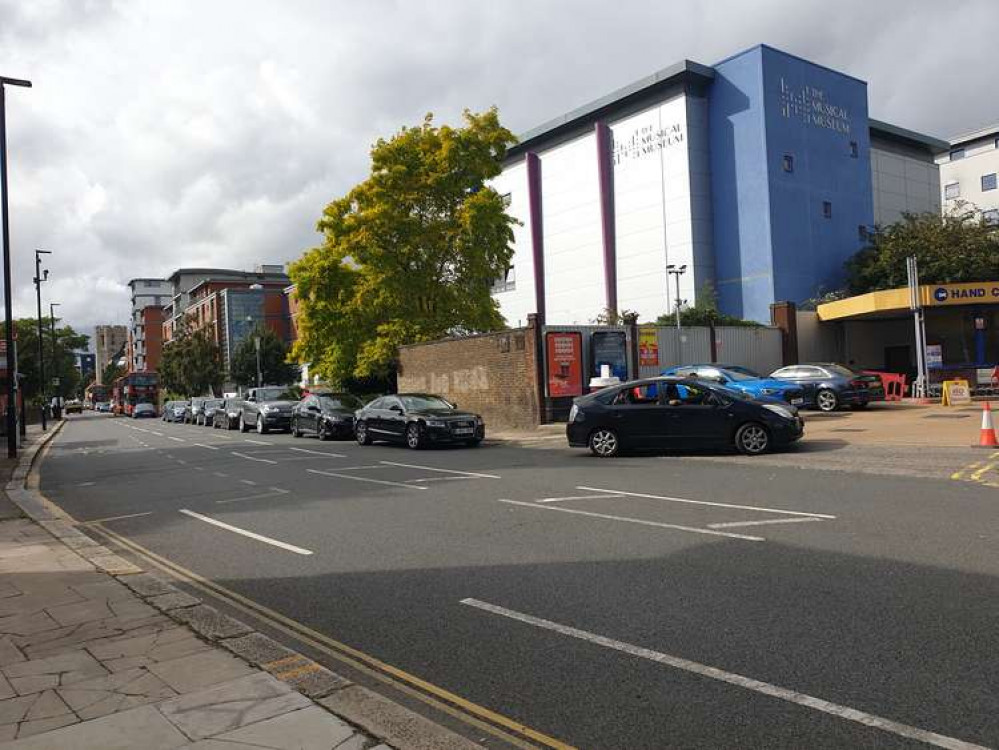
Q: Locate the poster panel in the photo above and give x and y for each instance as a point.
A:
(648, 347)
(564, 351)
(609, 348)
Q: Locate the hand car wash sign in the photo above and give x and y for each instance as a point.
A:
(982, 292)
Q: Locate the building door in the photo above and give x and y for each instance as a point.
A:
(898, 359)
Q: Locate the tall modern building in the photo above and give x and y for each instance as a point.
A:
(108, 341)
(758, 176)
(968, 172)
(145, 334)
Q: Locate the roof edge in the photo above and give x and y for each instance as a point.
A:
(909, 137)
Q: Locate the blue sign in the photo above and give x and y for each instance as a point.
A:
(940, 294)
(609, 348)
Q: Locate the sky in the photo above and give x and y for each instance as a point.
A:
(170, 133)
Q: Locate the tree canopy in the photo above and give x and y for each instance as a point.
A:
(274, 366)
(191, 363)
(704, 312)
(957, 247)
(409, 254)
(62, 366)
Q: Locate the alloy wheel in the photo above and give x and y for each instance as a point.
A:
(826, 400)
(321, 431)
(413, 438)
(361, 433)
(753, 439)
(604, 443)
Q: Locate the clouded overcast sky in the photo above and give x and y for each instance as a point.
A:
(207, 132)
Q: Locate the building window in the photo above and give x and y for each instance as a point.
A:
(854, 149)
(506, 283)
(827, 209)
(991, 216)
(787, 163)
(957, 153)
(988, 182)
(952, 190)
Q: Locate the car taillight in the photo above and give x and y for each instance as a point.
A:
(858, 383)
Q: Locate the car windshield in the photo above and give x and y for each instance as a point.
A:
(741, 373)
(212, 404)
(275, 394)
(417, 403)
(341, 401)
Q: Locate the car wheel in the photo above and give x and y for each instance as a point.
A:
(323, 431)
(604, 443)
(261, 429)
(361, 434)
(414, 436)
(827, 400)
(752, 439)
(295, 432)
(243, 427)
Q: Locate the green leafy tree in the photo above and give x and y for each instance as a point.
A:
(704, 312)
(60, 358)
(191, 363)
(112, 370)
(960, 246)
(409, 254)
(274, 366)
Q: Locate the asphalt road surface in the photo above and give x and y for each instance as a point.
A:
(642, 602)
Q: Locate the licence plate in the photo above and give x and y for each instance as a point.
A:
(463, 430)
(797, 401)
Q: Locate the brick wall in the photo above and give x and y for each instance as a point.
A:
(493, 374)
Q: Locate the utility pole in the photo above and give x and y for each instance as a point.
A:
(677, 272)
(8, 310)
(256, 344)
(55, 362)
(919, 388)
(41, 276)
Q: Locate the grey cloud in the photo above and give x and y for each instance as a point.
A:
(161, 134)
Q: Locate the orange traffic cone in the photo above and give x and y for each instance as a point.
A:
(988, 434)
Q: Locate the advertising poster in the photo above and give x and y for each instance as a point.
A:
(610, 348)
(648, 347)
(565, 363)
(934, 356)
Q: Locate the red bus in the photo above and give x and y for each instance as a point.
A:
(135, 388)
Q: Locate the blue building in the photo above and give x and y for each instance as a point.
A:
(758, 176)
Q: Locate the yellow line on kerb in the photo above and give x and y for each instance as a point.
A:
(431, 694)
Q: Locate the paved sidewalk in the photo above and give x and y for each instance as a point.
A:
(86, 664)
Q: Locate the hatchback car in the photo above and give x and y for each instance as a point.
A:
(193, 413)
(174, 411)
(73, 406)
(671, 412)
(226, 416)
(418, 420)
(208, 407)
(828, 386)
(742, 379)
(144, 411)
(328, 415)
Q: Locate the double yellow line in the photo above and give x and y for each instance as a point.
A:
(975, 472)
(482, 718)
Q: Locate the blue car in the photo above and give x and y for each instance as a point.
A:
(828, 386)
(743, 379)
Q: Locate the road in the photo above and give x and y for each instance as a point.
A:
(643, 602)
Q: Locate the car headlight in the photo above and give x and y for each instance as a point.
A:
(768, 391)
(575, 414)
(334, 418)
(436, 423)
(781, 411)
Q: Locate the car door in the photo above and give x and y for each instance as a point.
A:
(393, 418)
(639, 417)
(311, 413)
(696, 416)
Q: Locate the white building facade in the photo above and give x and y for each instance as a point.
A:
(144, 293)
(968, 173)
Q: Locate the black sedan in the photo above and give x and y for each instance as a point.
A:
(328, 415)
(418, 420)
(670, 412)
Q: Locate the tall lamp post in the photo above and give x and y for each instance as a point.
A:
(41, 276)
(8, 310)
(677, 272)
(55, 363)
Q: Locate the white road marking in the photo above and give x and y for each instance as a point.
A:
(318, 453)
(181, 461)
(733, 524)
(119, 518)
(274, 491)
(209, 447)
(257, 442)
(249, 482)
(438, 479)
(251, 458)
(176, 439)
(574, 497)
(249, 534)
(365, 479)
(159, 434)
(731, 678)
(639, 521)
(86, 484)
(220, 474)
(199, 468)
(706, 502)
(442, 471)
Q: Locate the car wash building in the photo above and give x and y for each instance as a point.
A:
(756, 177)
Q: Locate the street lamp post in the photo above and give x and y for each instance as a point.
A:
(55, 364)
(8, 309)
(256, 344)
(677, 272)
(41, 276)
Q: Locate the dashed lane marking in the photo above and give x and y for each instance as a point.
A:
(209, 447)
(366, 479)
(252, 458)
(708, 503)
(734, 524)
(176, 439)
(257, 442)
(318, 453)
(443, 471)
(273, 491)
(731, 678)
(246, 533)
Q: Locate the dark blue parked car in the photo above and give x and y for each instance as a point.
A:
(828, 385)
(742, 379)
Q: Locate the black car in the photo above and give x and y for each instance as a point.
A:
(828, 385)
(329, 415)
(207, 415)
(418, 420)
(671, 412)
(226, 416)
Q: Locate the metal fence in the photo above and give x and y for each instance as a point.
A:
(758, 348)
